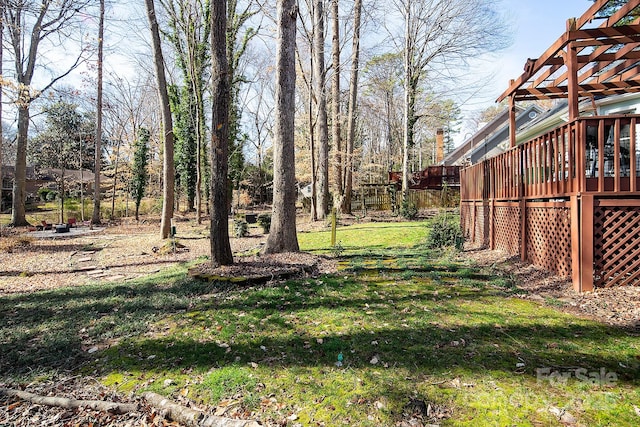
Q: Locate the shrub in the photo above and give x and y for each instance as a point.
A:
(408, 210)
(240, 228)
(264, 220)
(43, 192)
(445, 231)
(51, 196)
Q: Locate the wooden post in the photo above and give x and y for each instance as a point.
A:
(632, 156)
(586, 247)
(601, 143)
(572, 74)
(492, 217)
(512, 117)
(616, 156)
(576, 271)
(473, 222)
(523, 229)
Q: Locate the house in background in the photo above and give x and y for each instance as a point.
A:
(491, 139)
(8, 174)
(49, 178)
(532, 121)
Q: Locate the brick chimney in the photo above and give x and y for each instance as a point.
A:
(439, 145)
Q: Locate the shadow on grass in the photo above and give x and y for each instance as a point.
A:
(15, 273)
(426, 350)
(414, 329)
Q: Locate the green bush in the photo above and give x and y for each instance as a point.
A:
(408, 210)
(43, 192)
(264, 220)
(445, 232)
(240, 228)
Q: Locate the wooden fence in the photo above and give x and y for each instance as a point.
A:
(567, 201)
(380, 198)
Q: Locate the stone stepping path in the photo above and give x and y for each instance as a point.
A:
(83, 263)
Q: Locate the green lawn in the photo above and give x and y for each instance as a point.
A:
(410, 325)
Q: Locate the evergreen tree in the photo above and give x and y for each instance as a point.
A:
(183, 107)
(139, 169)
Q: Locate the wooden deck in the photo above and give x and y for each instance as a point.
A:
(567, 201)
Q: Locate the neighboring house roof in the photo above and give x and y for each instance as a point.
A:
(628, 103)
(493, 139)
(490, 139)
(84, 175)
(8, 171)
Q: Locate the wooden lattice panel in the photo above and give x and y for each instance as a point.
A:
(549, 238)
(616, 239)
(475, 223)
(482, 226)
(506, 226)
(465, 219)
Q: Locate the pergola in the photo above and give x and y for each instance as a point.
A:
(568, 200)
(598, 55)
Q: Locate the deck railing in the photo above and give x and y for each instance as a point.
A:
(594, 154)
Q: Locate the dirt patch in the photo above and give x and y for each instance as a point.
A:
(121, 252)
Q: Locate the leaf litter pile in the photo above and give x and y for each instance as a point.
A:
(80, 401)
(15, 411)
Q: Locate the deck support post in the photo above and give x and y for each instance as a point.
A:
(582, 242)
(473, 222)
(575, 242)
(586, 246)
(523, 230)
(492, 231)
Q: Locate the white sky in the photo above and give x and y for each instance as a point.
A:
(536, 24)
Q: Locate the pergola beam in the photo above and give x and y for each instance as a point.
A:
(601, 39)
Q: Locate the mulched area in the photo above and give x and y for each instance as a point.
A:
(618, 306)
(265, 268)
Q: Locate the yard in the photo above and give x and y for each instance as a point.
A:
(396, 335)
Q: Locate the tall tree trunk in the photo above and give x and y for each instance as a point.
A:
(1, 131)
(115, 177)
(322, 202)
(282, 236)
(168, 172)
(220, 246)
(312, 151)
(25, 43)
(335, 101)
(408, 101)
(62, 190)
(18, 212)
(351, 113)
(95, 217)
